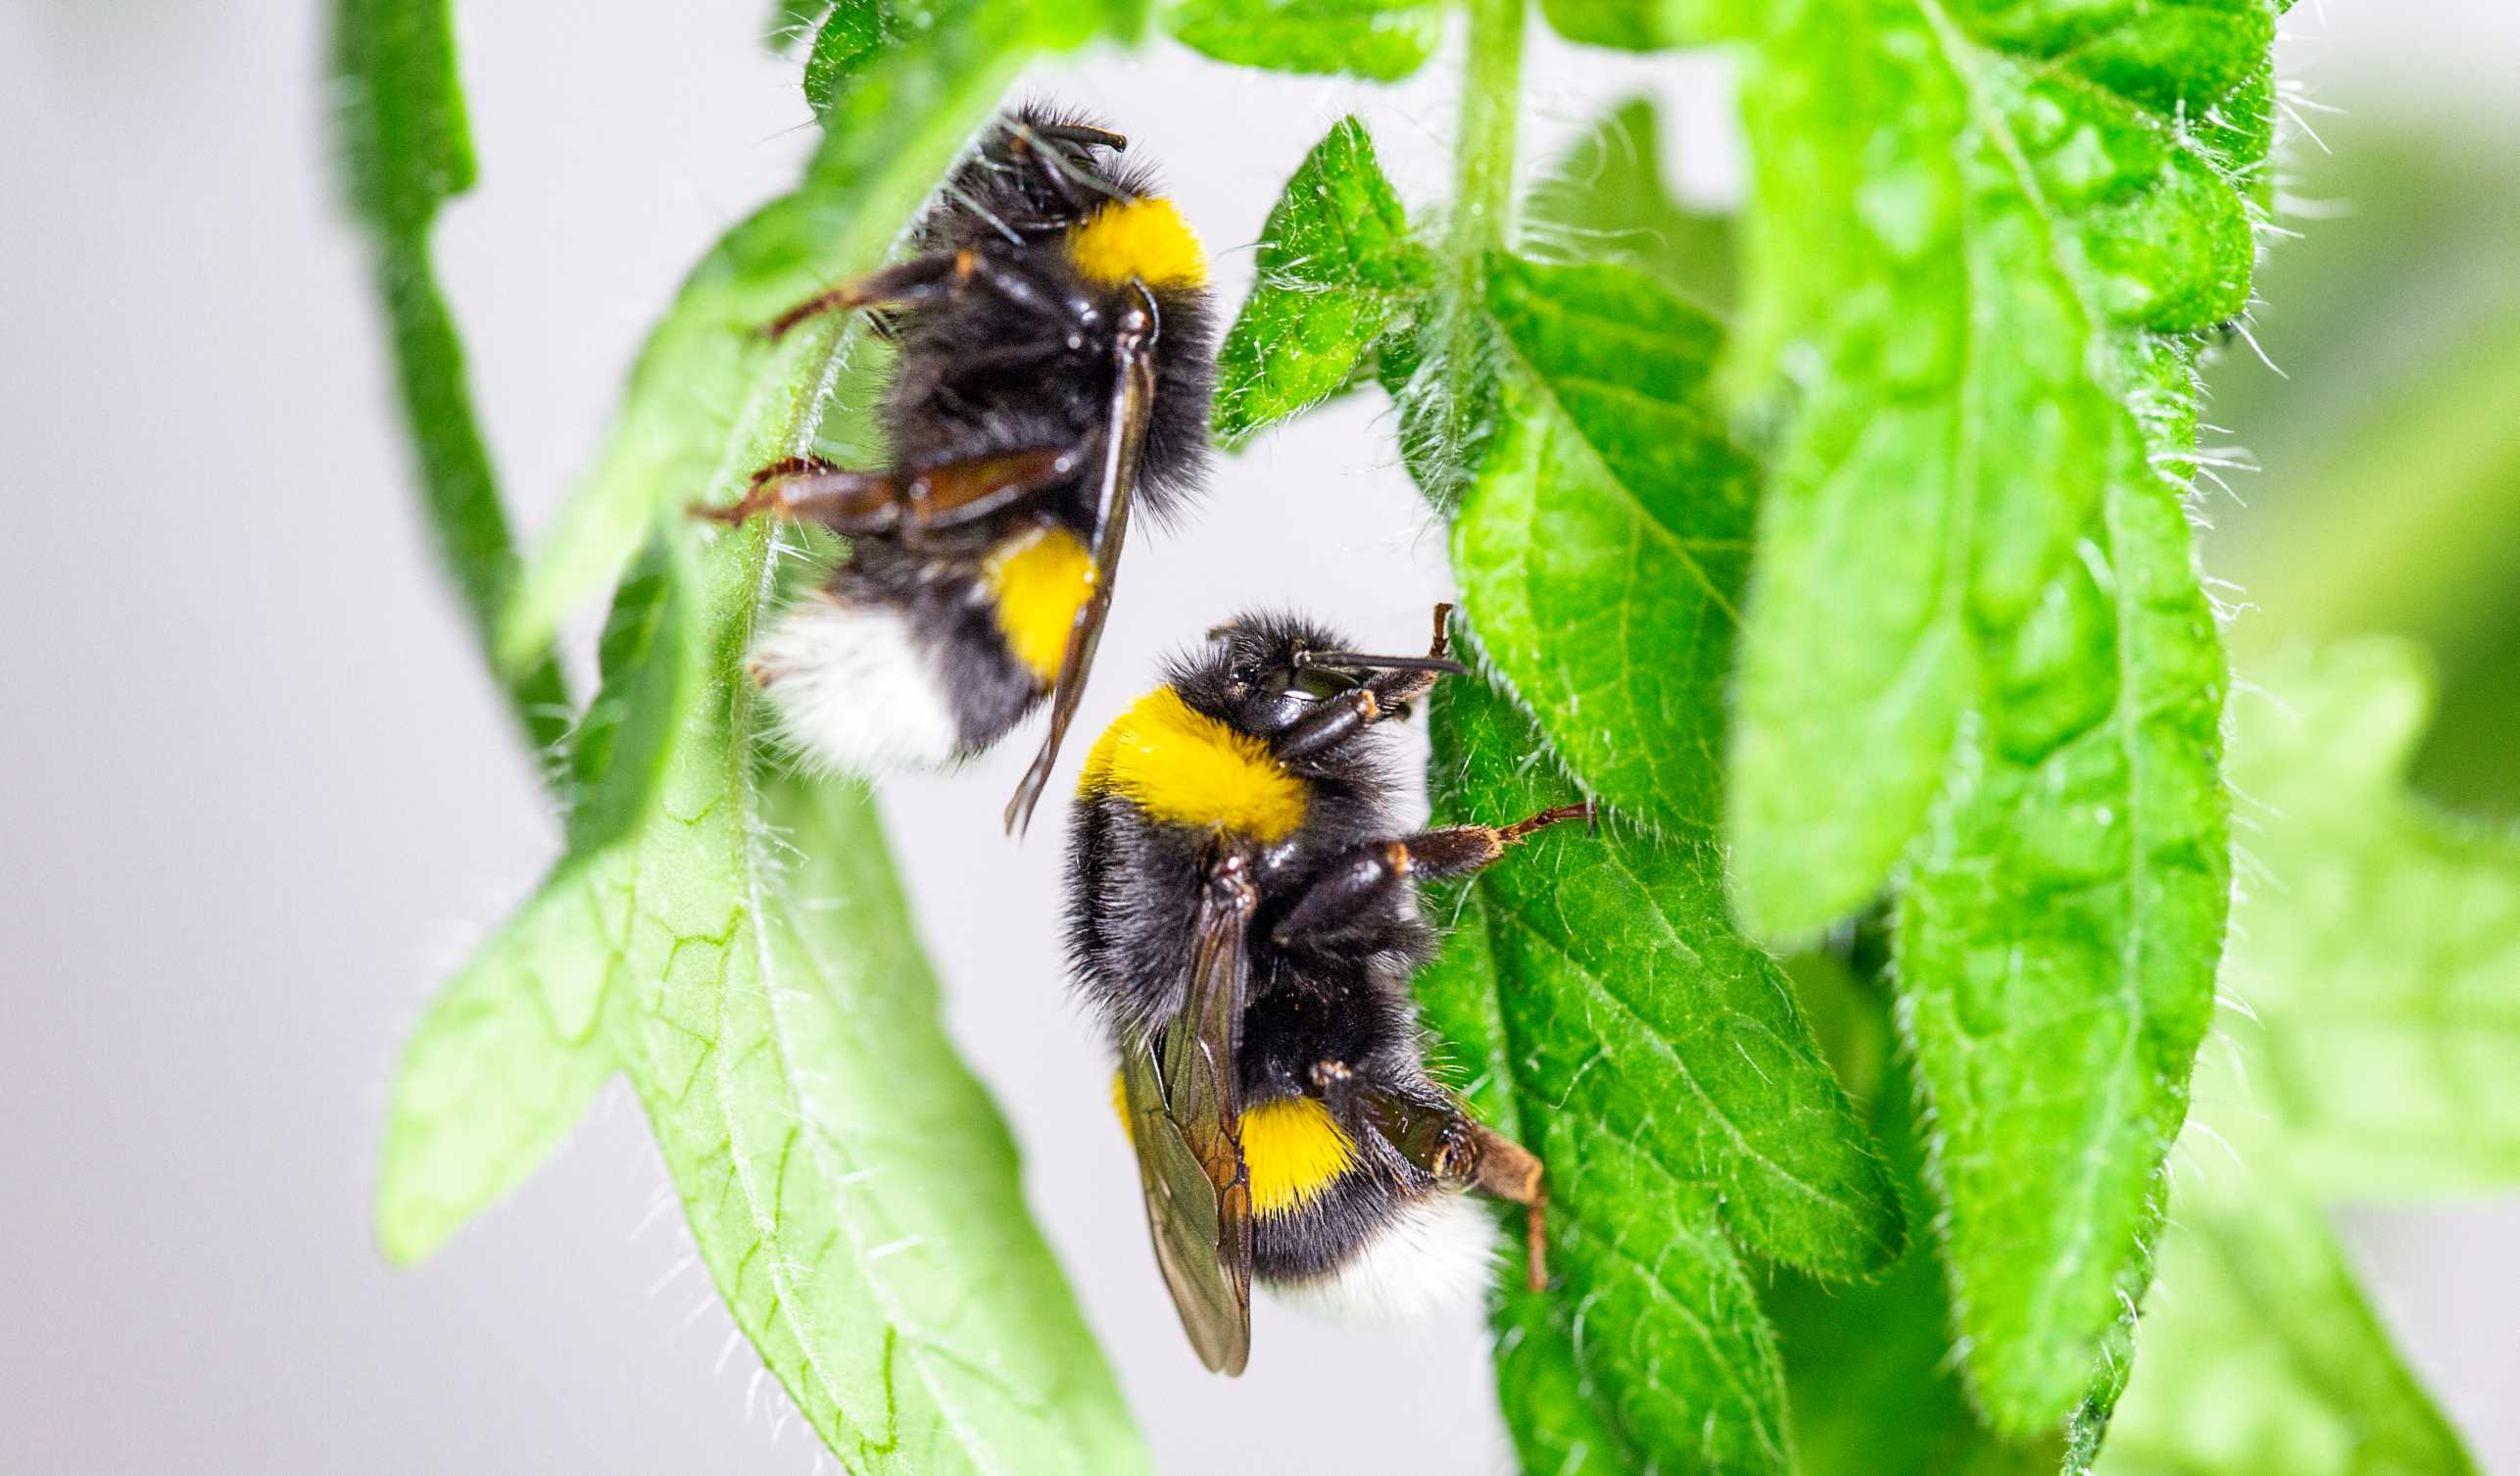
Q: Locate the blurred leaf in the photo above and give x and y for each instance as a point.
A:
(1978, 504)
(890, 135)
(2260, 1356)
(1646, 25)
(1605, 200)
(1961, 218)
(1655, 1062)
(1336, 267)
(1602, 541)
(2380, 952)
(399, 125)
(1381, 40)
(490, 1081)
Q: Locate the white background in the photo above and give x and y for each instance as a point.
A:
(254, 795)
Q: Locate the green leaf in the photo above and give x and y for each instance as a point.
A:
(1605, 200)
(650, 676)
(2057, 950)
(1655, 1060)
(491, 1081)
(399, 124)
(1674, 1362)
(1381, 40)
(1336, 267)
(850, 37)
(2380, 940)
(1602, 541)
(1965, 216)
(849, 1184)
(890, 135)
(2261, 1354)
(2369, 911)
(1644, 25)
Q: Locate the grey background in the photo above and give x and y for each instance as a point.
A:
(254, 795)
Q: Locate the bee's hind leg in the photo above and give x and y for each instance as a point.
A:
(1446, 1141)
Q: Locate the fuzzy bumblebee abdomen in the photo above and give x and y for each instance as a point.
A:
(1180, 766)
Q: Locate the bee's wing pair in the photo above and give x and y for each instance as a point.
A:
(1124, 443)
(1185, 1119)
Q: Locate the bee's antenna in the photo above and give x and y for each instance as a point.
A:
(1357, 661)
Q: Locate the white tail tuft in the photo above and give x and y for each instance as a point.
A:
(851, 689)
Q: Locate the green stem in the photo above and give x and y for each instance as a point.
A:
(1483, 151)
(1483, 221)
(407, 150)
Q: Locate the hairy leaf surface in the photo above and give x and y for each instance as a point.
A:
(1603, 539)
(1869, 1367)
(1336, 268)
(1964, 216)
(1655, 1062)
(2381, 960)
(2056, 950)
(1382, 40)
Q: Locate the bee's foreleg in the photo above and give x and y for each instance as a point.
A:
(1368, 877)
(809, 489)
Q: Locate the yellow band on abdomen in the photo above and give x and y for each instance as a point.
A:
(1039, 577)
(1294, 1150)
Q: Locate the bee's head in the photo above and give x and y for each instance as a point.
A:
(1261, 673)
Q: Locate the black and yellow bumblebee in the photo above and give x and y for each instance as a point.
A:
(1055, 334)
(1243, 912)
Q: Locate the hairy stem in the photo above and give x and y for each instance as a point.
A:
(1482, 218)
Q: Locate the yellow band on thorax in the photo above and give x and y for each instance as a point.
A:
(1146, 240)
(1183, 768)
(1039, 577)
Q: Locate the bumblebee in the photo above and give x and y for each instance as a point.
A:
(1054, 327)
(1242, 910)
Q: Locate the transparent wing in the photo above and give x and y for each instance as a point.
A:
(1186, 1119)
(1133, 403)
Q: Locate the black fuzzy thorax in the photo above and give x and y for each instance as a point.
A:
(978, 376)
